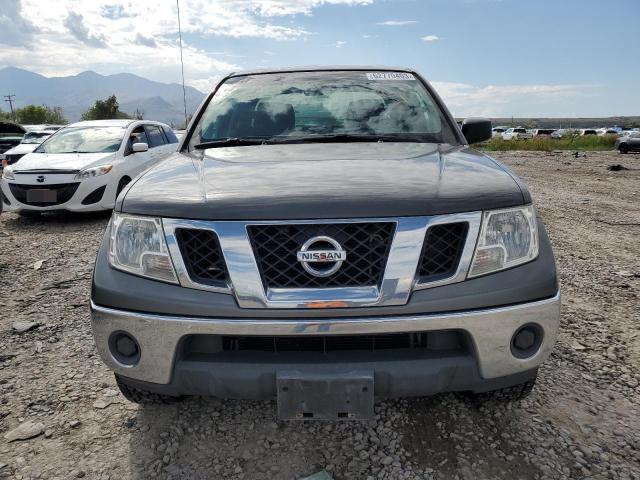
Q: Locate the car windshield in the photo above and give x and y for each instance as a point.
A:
(35, 137)
(84, 140)
(315, 106)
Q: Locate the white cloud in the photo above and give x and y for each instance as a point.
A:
(76, 26)
(141, 37)
(15, 28)
(272, 8)
(340, 44)
(397, 23)
(431, 38)
(507, 100)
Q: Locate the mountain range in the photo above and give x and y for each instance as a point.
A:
(76, 93)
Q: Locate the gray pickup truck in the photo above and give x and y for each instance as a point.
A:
(325, 237)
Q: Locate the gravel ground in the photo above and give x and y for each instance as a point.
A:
(581, 421)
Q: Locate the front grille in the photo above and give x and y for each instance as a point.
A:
(337, 343)
(442, 340)
(443, 246)
(202, 256)
(366, 244)
(64, 193)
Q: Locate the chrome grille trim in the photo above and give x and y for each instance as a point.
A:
(399, 279)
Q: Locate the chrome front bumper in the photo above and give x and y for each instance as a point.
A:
(490, 331)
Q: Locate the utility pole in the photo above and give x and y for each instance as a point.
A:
(9, 98)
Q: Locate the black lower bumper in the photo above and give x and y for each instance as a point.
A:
(255, 380)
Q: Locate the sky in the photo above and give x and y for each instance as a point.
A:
(495, 58)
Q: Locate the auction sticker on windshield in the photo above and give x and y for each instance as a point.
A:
(390, 76)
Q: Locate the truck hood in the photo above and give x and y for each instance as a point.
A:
(61, 161)
(341, 180)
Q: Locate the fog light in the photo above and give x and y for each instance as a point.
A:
(526, 341)
(124, 348)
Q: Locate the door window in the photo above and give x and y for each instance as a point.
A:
(138, 135)
(171, 137)
(156, 138)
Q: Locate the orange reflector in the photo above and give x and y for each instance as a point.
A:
(334, 304)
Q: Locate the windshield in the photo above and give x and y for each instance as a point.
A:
(313, 105)
(35, 137)
(84, 140)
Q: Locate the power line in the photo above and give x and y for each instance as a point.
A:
(184, 90)
(9, 98)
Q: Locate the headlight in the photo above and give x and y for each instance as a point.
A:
(7, 173)
(137, 246)
(94, 172)
(507, 238)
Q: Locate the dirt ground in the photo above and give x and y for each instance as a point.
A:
(581, 421)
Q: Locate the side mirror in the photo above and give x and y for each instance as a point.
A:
(476, 129)
(139, 147)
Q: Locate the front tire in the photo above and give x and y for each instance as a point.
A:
(623, 148)
(143, 397)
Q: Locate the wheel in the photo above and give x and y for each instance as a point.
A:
(514, 393)
(124, 181)
(624, 148)
(143, 397)
(29, 214)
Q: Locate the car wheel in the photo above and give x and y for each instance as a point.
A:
(143, 397)
(624, 148)
(124, 181)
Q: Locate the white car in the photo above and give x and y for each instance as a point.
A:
(498, 130)
(28, 144)
(607, 131)
(587, 131)
(83, 167)
(516, 132)
(543, 132)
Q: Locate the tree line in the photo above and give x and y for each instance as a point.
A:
(37, 114)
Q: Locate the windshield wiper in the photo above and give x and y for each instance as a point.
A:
(356, 137)
(320, 138)
(231, 142)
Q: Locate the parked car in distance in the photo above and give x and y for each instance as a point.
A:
(628, 143)
(542, 132)
(325, 237)
(10, 135)
(499, 130)
(29, 143)
(607, 131)
(564, 132)
(516, 132)
(84, 166)
(43, 126)
(587, 131)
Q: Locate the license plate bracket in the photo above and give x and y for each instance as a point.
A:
(42, 195)
(310, 396)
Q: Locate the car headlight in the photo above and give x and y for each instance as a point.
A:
(508, 237)
(137, 246)
(7, 173)
(93, 172)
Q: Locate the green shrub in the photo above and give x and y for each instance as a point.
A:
(574, 142)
